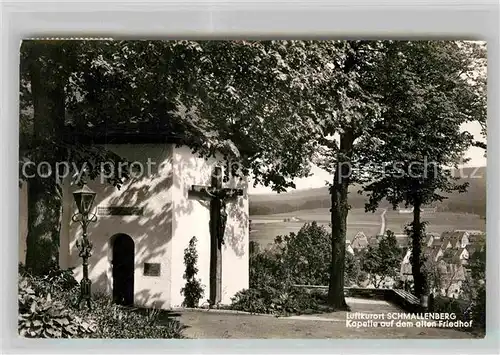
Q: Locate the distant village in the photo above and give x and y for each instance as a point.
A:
(447, 253)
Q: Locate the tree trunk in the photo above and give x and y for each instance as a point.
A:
(416, 256)
(339, 211)
(44, 223)
(44, 191)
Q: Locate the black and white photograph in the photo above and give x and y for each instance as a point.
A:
(252, 189)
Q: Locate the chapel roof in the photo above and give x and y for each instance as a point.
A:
(158, 132)
(134, 133)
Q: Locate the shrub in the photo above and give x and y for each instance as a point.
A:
(61, 284)
(193, 290)
(250, 300)
(476, 295)
(477, 310)
(301, 258)
(298, 258)
(266, 269)
(451, 305)
(118, 322)
(274, 301)
(46, 311)
(40, 316)
(62, 280)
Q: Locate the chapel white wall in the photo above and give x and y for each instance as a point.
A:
(151, 232)
(235, 252)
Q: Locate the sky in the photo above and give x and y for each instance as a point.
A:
(319, 177)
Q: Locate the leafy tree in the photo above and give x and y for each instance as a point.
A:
(350, 109)
(232, 97)
(476, 278)
(435, 272)
(429, 90)
(306, 255)
(352, 269)
(442, 274)
(376, 90)
(298, 258)
(383, 260)
(42, 93)
(476, 272)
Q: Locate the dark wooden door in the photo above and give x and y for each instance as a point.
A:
(123, 270)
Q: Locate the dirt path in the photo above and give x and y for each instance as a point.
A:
(382, 222)
(207, 325)
(217, 325)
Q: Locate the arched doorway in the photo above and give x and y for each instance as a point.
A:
(123, 269)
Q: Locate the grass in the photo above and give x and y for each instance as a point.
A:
(266, 228)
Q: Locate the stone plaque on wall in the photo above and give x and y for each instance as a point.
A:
(152, 269)
(120, 211)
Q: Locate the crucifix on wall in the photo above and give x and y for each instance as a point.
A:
(219, 197)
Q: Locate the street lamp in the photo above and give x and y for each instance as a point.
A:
(84, 199)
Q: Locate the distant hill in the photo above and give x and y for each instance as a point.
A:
(472, 201)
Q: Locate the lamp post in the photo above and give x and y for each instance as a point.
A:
(84, 199)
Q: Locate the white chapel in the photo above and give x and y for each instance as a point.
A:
(143, 228)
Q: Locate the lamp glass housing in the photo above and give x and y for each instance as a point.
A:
(84, 199)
